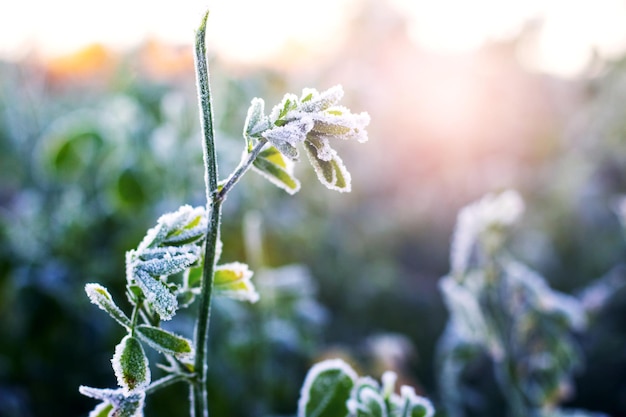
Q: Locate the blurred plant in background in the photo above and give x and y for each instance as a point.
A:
(505, 311)
(560, 142)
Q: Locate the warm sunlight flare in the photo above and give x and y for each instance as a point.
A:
(564, 34)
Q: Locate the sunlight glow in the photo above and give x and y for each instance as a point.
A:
(242, 30)
(564, 34)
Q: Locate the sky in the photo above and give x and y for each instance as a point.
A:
(567, 32)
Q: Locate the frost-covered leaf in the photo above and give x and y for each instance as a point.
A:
(117, 402)
(185, 225)
(164, 341)
(169, 260)
(287, 104)
(99, 296)
(233, 280)
(157, 294)
(130, 365)
(286, 137)
(312, 101)
(256, 121)
(333, 174)
(326, 390)
(321, 143)
(339, 123)
(274, 166)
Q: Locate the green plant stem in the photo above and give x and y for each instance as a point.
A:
(199, 401)
(244, 165)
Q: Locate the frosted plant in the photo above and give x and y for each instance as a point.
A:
(333, 389)
(176, 263)
(314, 120)
(501, 308)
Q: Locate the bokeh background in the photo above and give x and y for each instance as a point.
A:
(99, 136)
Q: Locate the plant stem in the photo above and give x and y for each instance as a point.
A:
(163, 382)
(244, 165)
(199, 401)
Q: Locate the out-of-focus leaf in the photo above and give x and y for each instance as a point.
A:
(233, 280)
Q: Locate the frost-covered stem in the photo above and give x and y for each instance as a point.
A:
(163, 382)
(244, 165)
(199, 401)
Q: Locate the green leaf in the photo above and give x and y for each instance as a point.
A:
(233, 280)
(333, 174)
(277, 169)
(326, 390)
(130, 365)
(164, 341)
(99, 296)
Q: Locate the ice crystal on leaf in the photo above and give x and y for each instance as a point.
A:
(315, 120)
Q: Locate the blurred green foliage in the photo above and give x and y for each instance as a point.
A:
(86, 169)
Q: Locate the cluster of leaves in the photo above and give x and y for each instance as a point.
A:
(333, 389)
(314, 120)
(171, 248)
(501, 308)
